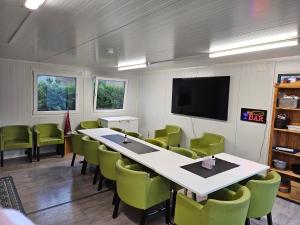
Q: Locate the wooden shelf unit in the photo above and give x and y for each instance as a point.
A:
(284, 137)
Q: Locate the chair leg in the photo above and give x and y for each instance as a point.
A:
(34, 151)
(194, 196)
(247, 221)
(73, 159)
(96, 175)
(57, 149)
(115, 196)
(100, 182)
(168, 211)
(30, 154)
(62, 150)
(178, 145)
(116, 209)
(173, 203)
(83, 168)
(38, 154)
(2, 158)
(270, 221)
(144, 217)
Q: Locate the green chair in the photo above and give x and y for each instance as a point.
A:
(90, 124)
(137, 189)
(76, 145)
(263, 193)
(156, 142)
(208, 144)
(170, 135)
(48, 134)
(117, 129)
(90, 152)
(185, 152)
(135, 134)
(15, 137)
(224, 207)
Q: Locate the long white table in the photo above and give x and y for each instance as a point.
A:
(168, 164)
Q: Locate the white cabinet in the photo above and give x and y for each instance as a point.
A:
(127, 123)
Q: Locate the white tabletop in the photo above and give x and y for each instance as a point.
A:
(118, 118)
(168, 164)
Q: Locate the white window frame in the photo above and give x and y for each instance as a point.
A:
(96, 92)
(35, 92)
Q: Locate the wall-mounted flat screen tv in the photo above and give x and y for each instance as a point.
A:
(201, 97)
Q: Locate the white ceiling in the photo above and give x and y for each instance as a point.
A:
(78, 32)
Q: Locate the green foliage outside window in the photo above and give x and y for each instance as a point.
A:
(56, 93)
(110, 94)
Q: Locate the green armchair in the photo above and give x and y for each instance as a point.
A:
(48, 134)
(223, 207)
(76, 145)
(135, 134)
(15, 137)
(107, 160)
(156, 142)
(208, 144)
(170, 135)
(263, 193)
(117, 129)
(90, 124)
(90, 152)
(137, 189)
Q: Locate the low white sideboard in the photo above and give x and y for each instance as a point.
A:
(127, 123)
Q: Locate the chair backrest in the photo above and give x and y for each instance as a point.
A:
(184, 151)
(90, 150)
(213, 138)
(107, 160)
(172, 128)
(15, 132)
(117, 129)
(232, 210)
(156, 142)
(263, 194)
(77, 143)
(134, 134)
(131, 184)
(47, 129)
(89, 124)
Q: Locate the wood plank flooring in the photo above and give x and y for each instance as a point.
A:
(53, 193)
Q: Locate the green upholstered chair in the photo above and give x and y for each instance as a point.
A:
(48, 134)
(90, 152)
(170, 135)
(135, 134)
(263, 193)
(223, 207)
(208, 144)
(107, 161)
(185, 152)
(156, 142)
(76, 145)
(15, 137)
(90, 124)
(117, 129)
(137, 189)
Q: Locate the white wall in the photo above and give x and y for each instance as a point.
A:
(16, 93)
(251, 86)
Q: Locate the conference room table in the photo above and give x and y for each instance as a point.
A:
(170, 165)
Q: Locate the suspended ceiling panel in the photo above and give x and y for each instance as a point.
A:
(79, 32)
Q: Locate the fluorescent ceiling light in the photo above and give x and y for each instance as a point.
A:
(34, 4)
(130, 67)
(133, 64)
(254, 48)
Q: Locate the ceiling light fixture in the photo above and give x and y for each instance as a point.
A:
(131, 67)
(34, 4)
(254, 48)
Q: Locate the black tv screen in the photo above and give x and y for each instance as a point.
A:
(201, 97)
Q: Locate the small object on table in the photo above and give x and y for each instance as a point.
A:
(208, 162)
(126, 139)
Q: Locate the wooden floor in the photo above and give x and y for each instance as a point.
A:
(53, 193)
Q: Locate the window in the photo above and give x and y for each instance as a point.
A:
(110, 94)
(54, 93)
